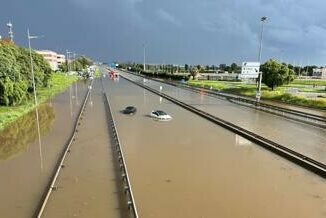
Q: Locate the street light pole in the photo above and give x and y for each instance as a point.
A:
(35, 95)
(74, 61)
(68, 59)
(11, 33)
(144, 46)
(258, 91)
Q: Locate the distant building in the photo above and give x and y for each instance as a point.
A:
(54, 59)
(319, 73)
(61, 59)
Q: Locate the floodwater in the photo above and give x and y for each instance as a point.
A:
(303, 138)
(88, 185)
(25, 166)
(189, 167)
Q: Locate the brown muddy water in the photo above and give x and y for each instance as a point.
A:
(189, 167)
(25, 166)
(89, 184)
(303, 138)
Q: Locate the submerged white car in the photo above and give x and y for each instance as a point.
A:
(160, 115)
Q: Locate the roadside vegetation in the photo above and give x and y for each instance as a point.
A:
(278, 94)
(309, 82)
(279, 83)
(57, 84)
(97, 73)
(16, 86)
(78, 64)
(15, 79)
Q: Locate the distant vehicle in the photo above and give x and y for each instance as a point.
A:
(160, 115)
(130, 110)
(113, 74)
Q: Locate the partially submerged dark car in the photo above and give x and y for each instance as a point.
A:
(130, 110)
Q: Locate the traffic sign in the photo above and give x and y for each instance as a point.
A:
(250, 70)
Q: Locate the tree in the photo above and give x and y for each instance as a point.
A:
(15, 73)
(276, 74)
(234, 67)
(227, 69)
(12, 92)
(85, 61)
(201, 69)
(186, 67)
(194, 72)
(222, 67)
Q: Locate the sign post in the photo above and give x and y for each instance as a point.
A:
(250, 70)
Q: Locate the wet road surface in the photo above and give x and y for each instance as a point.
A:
(189, 167)
(89, 184)
(25, 167)
(303, 138)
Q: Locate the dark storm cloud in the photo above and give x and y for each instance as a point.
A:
(182, 31)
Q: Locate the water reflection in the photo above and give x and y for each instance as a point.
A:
(240, 141)
(90, 95)
(76, 93)
(70, 101)
(16, 138)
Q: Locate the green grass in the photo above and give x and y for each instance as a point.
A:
(97, 73)
(58, 83)
(319, 82)
(278, 94)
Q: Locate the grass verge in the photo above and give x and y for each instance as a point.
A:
(97, 73)
(58, 83)
(279, 94)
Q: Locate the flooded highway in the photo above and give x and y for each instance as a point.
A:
(189, 167)
(89, 184)
(25, 166)
(303, 138)
(186, 167)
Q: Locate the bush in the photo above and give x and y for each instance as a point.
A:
(15, 75)
(12, 93)
(165, 75)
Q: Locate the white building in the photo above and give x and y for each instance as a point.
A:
(61, 59)
(54, 59)
(319, 73)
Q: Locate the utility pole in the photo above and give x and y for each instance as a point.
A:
(68, 59)
(144, 47)
(35, 96)
(10, 33)
(260, 75)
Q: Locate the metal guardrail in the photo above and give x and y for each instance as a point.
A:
(312, 119)
(298, 158)
(51, 185)
(259, 104)
(123, 167)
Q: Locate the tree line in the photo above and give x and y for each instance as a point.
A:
(274, 73)
(78, 64)
(15, 73)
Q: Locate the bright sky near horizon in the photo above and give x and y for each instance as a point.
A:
(174, 31)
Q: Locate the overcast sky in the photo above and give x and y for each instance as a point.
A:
(174, 31)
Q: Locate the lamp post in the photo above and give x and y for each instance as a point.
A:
(76, 84)
(68, 59)
(11, 33)
(35, 95)
(144, 47)
(260, 75)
